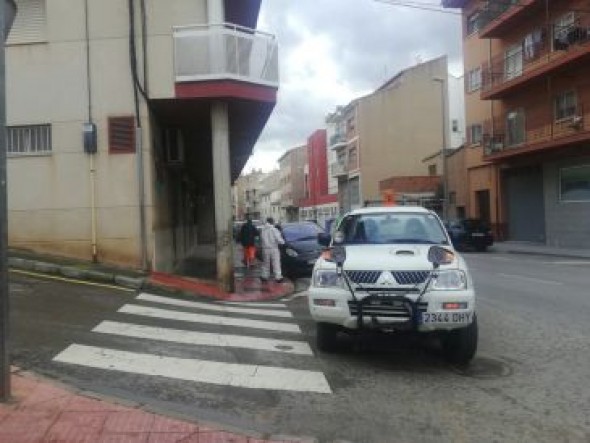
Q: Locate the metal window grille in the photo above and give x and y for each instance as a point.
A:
(32, 139)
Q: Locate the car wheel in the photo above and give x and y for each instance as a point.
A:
(460, 345)
(326, 337)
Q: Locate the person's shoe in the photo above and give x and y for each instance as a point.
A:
(263, 280)
(279, 280)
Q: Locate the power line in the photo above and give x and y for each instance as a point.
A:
(430, 7)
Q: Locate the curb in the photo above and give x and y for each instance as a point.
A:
(76, 273)
(542, 253)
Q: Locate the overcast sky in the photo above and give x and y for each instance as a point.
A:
(332, 51)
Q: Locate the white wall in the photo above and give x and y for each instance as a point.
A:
(456, 104)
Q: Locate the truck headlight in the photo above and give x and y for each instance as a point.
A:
(327, 279)
(449, 280)
(291, 252)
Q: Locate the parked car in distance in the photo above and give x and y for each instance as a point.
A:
(301, 249)
(470, 233)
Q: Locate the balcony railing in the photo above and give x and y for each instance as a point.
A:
(338, 138)
(339, 169)
(225, 52)
(541, 51)
(538, 129)
(498, 15)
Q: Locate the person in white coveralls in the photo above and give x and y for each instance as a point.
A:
(270, 240)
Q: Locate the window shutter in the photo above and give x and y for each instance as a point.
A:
(30, 23)
(121, 135)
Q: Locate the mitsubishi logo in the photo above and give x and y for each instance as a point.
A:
(386, 279)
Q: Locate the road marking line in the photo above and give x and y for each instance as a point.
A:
(71, 280)
(200, 371)
(254, 305)
(209, 319)
(532, 279)
(567, 262)
(213, 307)
(502, 258)
(203, 338)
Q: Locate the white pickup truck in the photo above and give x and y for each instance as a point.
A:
(394, 269)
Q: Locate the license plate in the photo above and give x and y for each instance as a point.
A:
(446, 317)
(311, 262)
(477, 234)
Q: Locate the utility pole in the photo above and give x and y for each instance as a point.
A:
(443, 104)
(7, 14)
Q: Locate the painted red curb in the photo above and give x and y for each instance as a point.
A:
(247, 289)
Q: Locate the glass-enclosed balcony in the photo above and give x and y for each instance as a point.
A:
(225, 52)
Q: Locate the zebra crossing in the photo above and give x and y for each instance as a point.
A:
(253, 334)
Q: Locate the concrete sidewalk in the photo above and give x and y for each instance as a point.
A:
(43, 412)
(514, 247)
(248, 286)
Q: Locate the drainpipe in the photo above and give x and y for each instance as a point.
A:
(92, 167)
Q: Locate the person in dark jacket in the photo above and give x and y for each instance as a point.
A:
(248, 235)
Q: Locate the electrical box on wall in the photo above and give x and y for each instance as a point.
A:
(90, 139)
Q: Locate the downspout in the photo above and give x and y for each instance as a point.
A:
(93, 215)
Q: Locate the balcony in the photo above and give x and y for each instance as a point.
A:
(537, 56)
(539, 132)
(499, 16)
(225, 52)
(339, 169)
(337, 140)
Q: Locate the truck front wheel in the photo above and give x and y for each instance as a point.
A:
(460, 345)
(326, 337)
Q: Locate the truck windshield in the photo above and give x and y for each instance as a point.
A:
(391, 228)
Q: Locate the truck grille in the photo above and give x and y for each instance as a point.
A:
(384, 307)
(410, 277)
(402, 277)
(364, 277)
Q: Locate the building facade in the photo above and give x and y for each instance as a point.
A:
(270, 196)
(527, 67)
(121, 148)
(292, 182)
(387, 134)
(248, 190)
(318, 204)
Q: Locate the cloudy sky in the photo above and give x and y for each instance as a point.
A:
(332, 51)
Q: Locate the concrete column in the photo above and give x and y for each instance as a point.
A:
(215, 11)
(222, 192)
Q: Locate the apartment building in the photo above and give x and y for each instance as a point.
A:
(127, 123)
(292, 182)
(388, 133)
(318, 204)
(270, 196)
(248, 190)
(528, 164)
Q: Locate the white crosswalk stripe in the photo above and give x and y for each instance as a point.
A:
(230, 374)
(214, 307)
(251, 343)
(206, 318)
(204, 338)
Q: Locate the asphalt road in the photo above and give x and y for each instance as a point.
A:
(528, 383)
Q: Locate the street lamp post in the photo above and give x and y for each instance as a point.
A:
(7, 14)
(443, 101)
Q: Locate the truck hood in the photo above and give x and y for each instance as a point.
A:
(390, 257)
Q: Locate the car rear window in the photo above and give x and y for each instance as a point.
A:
(301, 231)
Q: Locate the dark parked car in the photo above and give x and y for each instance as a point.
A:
(301, 249)
(470, 233)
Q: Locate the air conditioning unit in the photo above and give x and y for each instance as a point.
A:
(173, 146)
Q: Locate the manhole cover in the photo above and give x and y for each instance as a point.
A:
(485, 367)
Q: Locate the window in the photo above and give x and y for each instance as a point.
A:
(353, 159)
(26, 140)
(30, 23)
(515, 127)
(432, 170)
(565, 105)
(473, 23)
(475, 134)
(513, 62)
(455, 125)
(121, 135)
(563, 26)
(474, 80)
(574, 184)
